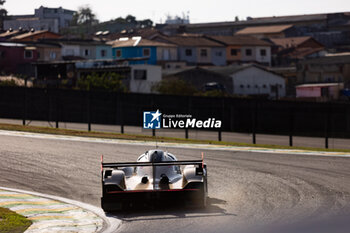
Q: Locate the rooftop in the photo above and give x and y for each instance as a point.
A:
(320, 85)
(240, 40)
(264, 29)
(29, 34)
(292, 41)
(190, 41)
(138, 41)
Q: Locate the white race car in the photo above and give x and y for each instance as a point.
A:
(156, 177)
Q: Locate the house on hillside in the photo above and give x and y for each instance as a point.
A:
(151, 52)
(241, 49)
(319, 91)
(44, 18)
(48, 51)
(197, 49)
(289, 50)
(332, 68)
(78, 49)
(254, 80)
(260, 32)
(16, 58)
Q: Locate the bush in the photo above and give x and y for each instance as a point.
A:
(11, 83)
(102, 82)
(174, 87)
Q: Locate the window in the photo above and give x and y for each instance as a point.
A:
(248, 52)
(28, 54)
(119, 53)
(103, 53)
(86, 52)
(234, 52)
(2, 54)
(262, 52)
(140, 74)
(146, 52)
(188, 52)
(204, 53)
(218, 54)
(242, 86)
(38, 54)
(248, 86)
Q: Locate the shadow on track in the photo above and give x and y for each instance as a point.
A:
(172, 211)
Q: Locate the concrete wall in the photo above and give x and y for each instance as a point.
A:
(153, 76)
(255, 81)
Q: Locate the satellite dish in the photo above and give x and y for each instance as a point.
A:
(32, 30)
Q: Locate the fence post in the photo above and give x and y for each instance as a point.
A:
(291, 125)
(120, 113)
(25, 103)
(327, 125)
(57, 106)
(254, 110)
(219, 136)
(186, 133)
(89, 110)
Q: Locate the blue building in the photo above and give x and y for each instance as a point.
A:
(143, 51)
(103, 51)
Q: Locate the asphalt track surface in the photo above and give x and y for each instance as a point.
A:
(247, 191)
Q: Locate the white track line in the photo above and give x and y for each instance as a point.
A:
(112, 223)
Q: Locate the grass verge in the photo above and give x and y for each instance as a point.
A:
(10, 222)
(69, 132)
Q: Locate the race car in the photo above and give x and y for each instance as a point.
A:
(156, 178)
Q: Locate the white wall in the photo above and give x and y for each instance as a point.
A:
(153, 76)
(255, 81)
(263, 59)
(67, 50)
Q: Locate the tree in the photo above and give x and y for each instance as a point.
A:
(84, 16)
(102, 82)
(174, 87)
(3, 14)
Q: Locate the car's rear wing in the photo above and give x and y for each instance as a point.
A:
(150, 164)
(145, 164)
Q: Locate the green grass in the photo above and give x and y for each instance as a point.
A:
(10, 222)
(48, 130)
